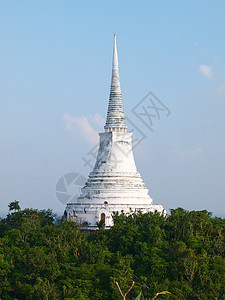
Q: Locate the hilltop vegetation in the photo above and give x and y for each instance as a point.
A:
(41, 259)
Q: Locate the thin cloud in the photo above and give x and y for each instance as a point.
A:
(98, 120)
(68, 121)
(206, 70)
(81, 125)
(186, 153)
(221, 89)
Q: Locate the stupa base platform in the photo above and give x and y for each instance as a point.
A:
(88, 215)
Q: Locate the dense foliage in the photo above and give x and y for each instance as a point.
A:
(183, 253)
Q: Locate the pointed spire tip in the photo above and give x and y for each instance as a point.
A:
(115, 117)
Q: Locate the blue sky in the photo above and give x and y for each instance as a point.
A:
(55, 69)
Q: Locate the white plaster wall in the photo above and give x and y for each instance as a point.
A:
(92, 215)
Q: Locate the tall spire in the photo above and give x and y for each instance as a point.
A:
(115, 117)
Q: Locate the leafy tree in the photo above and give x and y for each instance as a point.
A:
(14, 206)
(183, 253)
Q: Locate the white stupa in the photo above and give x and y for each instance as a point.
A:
(114, 185)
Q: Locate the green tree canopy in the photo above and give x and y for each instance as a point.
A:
(182, 254)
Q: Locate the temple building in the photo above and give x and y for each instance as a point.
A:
(114, 185)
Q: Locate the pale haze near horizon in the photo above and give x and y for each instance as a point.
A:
(55, 74)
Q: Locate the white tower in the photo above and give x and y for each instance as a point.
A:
(114, 185)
